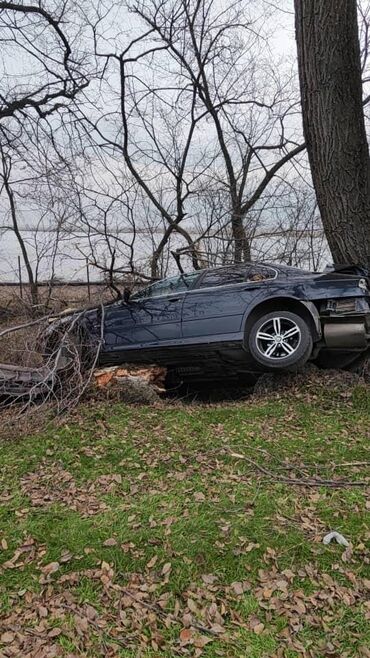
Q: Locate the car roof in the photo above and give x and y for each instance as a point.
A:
(287, 269)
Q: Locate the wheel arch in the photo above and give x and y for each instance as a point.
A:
(306, 309)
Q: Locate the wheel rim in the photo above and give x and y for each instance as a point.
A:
(278, 338)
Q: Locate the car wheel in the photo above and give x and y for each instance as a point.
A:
(280, 340)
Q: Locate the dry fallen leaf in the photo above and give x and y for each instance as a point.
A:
(152, 562)
(250, 547)
(110, 542)
(55, 632)
(166, 568)
(238, 588)
(52, 567)
(192, 606)
(186, 636)
(209, 578)
(48, 570)
(7, 637)
(42, 611)
(201, 641)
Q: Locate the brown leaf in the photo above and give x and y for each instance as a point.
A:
(166, 568)
(55, 632)
(299, 607)
(347, 554)
(152, 562)
(209, 578)
(42, 611)
(110, 542)
(238, 588)
(201, 640)
(47, 571)
(192, 606)
(256, 625)
(50, 568)
(282, 585)
(186, 636)
(81, 624)
(250, 547)
(7, 637)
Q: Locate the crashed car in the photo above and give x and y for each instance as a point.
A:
(245, 318)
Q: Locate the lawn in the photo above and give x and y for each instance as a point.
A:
(189, 530)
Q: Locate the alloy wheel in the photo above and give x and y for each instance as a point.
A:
(278, 338)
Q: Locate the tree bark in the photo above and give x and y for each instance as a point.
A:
(242, 249)
(333, 122)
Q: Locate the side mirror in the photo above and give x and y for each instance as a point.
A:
(126, 295)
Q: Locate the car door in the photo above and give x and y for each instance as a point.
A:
(215, 308)
(151, 318)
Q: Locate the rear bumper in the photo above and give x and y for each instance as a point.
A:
(353, 334)
(346, 323)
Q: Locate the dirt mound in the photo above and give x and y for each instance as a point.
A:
(310, 379)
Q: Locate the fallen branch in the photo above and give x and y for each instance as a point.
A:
(40, 320)
(303, 482)
(69, 360)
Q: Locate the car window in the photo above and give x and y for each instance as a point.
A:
(225, 276)
(175, 284)
(260, 273)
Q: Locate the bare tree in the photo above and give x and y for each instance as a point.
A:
(180, 152)
(7, 187)
(191, 104)
(44, 66)
(50, 66)
(247, 105)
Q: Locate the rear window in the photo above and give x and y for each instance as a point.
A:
(231, 275)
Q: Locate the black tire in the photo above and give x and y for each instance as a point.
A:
(300, 342)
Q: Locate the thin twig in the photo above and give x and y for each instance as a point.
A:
(305, 482)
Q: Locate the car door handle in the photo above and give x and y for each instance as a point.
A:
(173, 299)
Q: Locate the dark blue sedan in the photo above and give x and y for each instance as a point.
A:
(234, 320)
(239, 319)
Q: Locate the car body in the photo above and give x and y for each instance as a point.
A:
(237, 319)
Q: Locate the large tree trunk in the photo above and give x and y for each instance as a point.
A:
(333, 121)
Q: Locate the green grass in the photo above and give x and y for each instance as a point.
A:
(231, 533)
